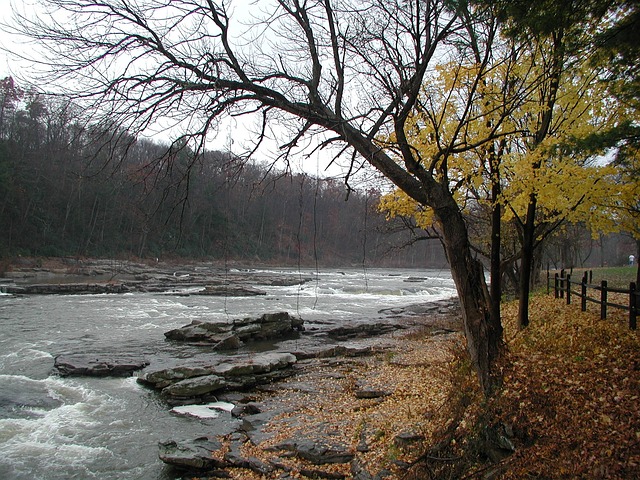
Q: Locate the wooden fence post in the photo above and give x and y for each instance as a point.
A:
(562, 283)
(633, 306)
(583, 285)
(556, 285)
(568, 289)
(603, 300)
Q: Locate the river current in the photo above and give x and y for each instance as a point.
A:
(108, 428)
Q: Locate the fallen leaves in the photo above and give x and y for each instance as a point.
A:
(571, 390)
(385, 432)
(570, 400)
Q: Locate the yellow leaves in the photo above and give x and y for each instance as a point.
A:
(399, 204)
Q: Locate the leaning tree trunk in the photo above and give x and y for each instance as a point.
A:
(483, 331)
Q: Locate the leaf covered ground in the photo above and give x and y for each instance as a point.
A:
(569, 405)
(571, 393)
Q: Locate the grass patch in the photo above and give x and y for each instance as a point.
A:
(616, 277)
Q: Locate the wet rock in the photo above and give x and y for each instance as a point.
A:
(66, 288)
(230, 291)
(165, 377)
(19, 399)
(98, 366)
(263, 363)
(194, 387)
(231, 335)
(246, 409)
(193, 454)
(234, 373)
(228, 342)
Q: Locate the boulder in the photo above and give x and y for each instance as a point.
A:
(226, 336)
(192, 455)
(233, 373)
(97, 365)
(263, 363)
(167, 376)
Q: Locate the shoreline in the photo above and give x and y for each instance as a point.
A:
(368, 416)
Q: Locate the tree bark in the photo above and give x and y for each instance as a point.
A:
(637, 262)
(526, 259)
(483, 331)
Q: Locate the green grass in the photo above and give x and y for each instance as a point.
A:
(616, 277)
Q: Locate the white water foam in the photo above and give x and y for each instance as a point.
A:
(57, 437)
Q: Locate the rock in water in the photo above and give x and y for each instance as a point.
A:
(227, 336)
(195, 454)
(237, 373)
(196, 386)
(98, 366)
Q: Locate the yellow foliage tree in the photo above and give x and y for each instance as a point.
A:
(530, 107)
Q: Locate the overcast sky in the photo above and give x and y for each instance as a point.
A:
(10, 65)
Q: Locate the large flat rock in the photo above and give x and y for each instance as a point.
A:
(97, 365)
(227, 336)
(231, 373)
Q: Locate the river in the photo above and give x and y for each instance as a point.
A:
(108, 428)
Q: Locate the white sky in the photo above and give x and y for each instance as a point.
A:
(316, 164)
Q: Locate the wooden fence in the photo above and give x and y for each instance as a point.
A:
(563, 289)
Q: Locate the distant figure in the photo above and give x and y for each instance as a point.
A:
(631, 259)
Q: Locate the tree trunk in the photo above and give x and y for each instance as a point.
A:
(483, 332)
(496, 240)
(637, 263)
(526, 259)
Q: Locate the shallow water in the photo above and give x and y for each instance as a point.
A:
(108, 428)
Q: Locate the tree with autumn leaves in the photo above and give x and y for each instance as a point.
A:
(521, 156)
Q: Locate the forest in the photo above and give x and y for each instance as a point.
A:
(61, 194)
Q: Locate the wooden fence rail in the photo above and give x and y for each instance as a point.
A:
(563, 289)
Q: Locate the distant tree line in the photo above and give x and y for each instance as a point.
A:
(61, 194)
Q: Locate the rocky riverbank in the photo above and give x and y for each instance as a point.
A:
(348, 400)
(366, 416)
